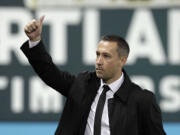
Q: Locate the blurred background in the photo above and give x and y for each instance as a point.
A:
(71, 31)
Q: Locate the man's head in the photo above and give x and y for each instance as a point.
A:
(111, 55)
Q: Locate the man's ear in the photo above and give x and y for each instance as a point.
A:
(123, 60)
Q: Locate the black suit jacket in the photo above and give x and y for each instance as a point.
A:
(132, 111)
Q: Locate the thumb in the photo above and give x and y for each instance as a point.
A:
(41, 19)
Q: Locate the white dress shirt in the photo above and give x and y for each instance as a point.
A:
(105, 118)
(109, 94)
(32, 44)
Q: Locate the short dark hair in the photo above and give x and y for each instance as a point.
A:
(123, 47)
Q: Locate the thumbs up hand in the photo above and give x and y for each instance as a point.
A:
(33, 29)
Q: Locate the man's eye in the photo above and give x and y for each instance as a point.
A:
(97, 54)
(106, 56)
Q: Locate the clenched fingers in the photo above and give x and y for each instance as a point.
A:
(31, 26)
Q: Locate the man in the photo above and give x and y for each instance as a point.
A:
(104, 102)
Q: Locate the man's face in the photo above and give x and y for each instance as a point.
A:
(108, 63)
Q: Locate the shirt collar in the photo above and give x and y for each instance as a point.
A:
(114, 86)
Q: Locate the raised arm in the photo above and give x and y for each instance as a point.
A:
(41, 61)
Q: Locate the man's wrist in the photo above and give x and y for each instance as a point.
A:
(35, 39)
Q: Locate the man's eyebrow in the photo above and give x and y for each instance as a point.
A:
(106, 53)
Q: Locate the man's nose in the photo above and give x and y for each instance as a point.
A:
(99, 60)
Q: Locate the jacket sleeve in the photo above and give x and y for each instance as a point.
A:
(151, 115)
(43, 65)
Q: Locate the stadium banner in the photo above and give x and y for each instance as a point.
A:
(71, 35)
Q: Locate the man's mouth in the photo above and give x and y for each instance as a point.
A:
(99, 69)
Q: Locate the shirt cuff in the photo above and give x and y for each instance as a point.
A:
(33, 44)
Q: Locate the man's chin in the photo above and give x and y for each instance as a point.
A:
(99, 75)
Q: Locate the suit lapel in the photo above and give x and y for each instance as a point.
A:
(117, 107)
(91, 86)
(125, 89)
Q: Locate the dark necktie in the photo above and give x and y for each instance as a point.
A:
(99, 110)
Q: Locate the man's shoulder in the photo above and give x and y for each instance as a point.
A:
(142, 95)
(144, 98)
